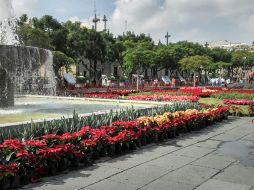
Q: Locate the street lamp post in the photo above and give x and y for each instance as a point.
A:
(244, 68)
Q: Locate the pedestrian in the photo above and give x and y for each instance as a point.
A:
(251, 75)
(173, 81)
(241, 81)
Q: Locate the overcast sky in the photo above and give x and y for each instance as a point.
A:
(192, 20)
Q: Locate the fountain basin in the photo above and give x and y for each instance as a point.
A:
(38, 108)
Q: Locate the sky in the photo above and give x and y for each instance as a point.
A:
(193, 20)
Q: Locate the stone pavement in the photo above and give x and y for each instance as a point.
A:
(215, 158)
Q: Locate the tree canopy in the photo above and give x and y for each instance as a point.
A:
(132, 51)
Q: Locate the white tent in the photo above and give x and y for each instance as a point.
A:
(69, 79)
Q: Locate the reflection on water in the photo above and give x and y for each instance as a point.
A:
(239, 150)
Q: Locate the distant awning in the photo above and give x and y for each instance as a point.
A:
(69, 79)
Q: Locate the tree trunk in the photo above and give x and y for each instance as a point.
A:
(95, 71)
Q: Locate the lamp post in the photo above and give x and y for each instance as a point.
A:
(244, 68)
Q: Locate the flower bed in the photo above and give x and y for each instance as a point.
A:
(164, 97)
(194, 91)
(52, 153)
(238, 102)
(102, 95)
(124, 92)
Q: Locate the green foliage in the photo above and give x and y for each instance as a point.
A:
(131, 50)
(220, 55)
(227, 95)
(195, 63)
(165, 57)
(241, 58)
(218, 65)
(138, 57)
(61, 60)
(35, 37)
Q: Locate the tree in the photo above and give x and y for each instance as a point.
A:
(195, 63)
(46, 23)
(185, 49)
(35, 37)
(164, 59)
(95, 51)
(61, 60)
(219, 54)
(137, 59)
(213, 67)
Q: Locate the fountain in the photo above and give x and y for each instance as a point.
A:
(22, 69)
(29, 70)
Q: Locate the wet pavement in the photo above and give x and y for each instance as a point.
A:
(219, 157)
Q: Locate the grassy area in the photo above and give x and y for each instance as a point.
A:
(215, 101)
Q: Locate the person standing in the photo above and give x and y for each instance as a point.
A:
(251, 75)
(173, 81)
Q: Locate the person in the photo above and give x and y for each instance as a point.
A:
(251, 75)
(196, 81)
(156, 82)
(222, 82)
(228, 81)
(173, 81)
(213, 81)
(241, 81)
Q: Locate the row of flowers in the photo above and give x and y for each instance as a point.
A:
(24, 161)
(124, 92)
(164, 97)
(238, 101)
(102, 95)
(193, 91)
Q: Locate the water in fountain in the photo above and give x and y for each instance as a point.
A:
(8, 24)
(28, 69)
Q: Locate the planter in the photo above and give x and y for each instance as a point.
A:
(118, 148)
(171, 133)
(143, 141)
(126, 146)
(5, 184)
(95, 155)
(138, 143)
(24, 179)
(149, 139)
(15, 182)
(87, 160)
(52, 170)
(63, 165)
(75, 162)
(111, 149)
(155, 138)
(176, 132)
(163, 136)
(133, 145)
(103, 151)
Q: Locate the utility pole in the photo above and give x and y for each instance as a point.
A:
(125, 26)
(95, 19)
(206, 45)
(105, 20)
(167, 37)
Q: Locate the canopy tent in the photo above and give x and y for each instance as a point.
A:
(166, 79)
(69, 79)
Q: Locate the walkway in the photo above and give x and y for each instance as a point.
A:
(218, 157)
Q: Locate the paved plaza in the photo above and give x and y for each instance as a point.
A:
(218, 157)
